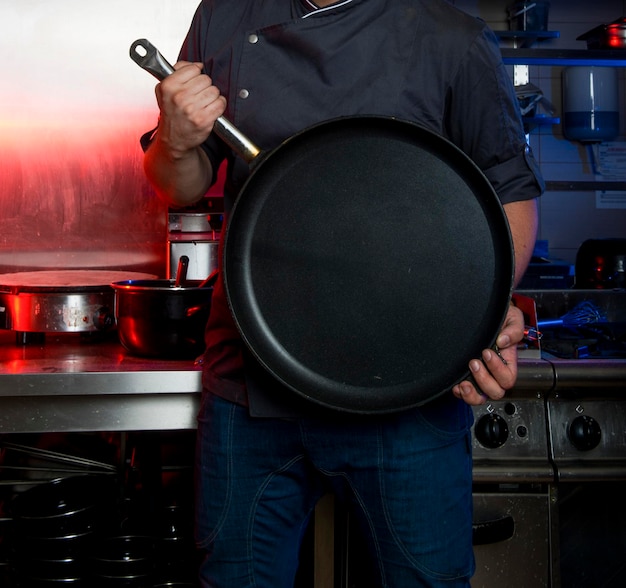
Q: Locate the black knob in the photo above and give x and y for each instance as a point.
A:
(584, 433)
(491, 430)
(103, 318)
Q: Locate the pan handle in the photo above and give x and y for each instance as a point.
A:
(148, 57)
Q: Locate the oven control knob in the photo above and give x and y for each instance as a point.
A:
(584, 433)
(491, 430)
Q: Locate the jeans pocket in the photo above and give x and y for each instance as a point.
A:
(446, 416)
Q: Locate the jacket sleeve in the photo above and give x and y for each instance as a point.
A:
(484, 120)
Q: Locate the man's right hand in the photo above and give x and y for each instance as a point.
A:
(175, 163)
(189, 105)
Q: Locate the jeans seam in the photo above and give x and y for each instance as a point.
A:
(401, 546)
(364, 509)
(381, 489)
(372, 527)
(229, 491)
(257, 500)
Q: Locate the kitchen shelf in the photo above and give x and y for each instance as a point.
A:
(532, 122)
(566, 57)
(527, 38)
(585, 186)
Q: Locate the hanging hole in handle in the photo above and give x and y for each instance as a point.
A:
(146, 55)
(140, 50)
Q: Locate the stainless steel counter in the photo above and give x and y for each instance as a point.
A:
(76, 383)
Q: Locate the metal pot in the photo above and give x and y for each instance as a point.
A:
(59, 300)
(160, 319)
(601, 263)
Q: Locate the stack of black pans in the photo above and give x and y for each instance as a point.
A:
(56, 525)
(74, 522)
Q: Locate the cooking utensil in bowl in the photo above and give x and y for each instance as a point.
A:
(181, 274)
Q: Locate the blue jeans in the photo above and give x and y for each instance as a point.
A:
(406, 479)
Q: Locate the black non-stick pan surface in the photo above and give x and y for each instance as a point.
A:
(366, 261)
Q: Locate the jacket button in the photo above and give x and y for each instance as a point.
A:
(244, 94)
(253, 39)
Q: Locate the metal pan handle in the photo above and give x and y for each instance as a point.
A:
(148, 57)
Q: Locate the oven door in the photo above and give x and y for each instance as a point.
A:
(514, 542)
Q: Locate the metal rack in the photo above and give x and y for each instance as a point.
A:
(522, 56)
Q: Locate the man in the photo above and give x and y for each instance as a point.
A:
(275, 68)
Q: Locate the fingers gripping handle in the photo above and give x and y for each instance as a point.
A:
(148, 57)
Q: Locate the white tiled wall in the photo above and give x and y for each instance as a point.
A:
(567, 218)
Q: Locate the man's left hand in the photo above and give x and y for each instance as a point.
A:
(497, 371)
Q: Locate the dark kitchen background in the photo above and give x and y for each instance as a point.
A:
(73, 196)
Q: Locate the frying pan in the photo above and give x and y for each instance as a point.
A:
(366, 260)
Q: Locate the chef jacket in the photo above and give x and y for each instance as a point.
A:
(285, 65)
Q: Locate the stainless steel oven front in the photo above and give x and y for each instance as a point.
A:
(515, 517)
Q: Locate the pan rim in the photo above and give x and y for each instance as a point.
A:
(272, 354)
